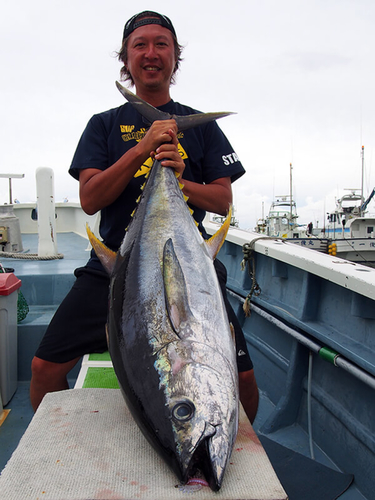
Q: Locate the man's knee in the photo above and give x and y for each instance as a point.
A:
(46, 370)
(48, 377)
(38, 367)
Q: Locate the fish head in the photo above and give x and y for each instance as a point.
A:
(204, 417)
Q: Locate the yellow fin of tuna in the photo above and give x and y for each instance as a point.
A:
(233, 334)
(106, 256)
(216, 241)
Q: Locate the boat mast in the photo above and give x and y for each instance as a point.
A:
(290, 199)
(363, 170)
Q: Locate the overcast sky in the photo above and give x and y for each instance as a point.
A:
(300, 75)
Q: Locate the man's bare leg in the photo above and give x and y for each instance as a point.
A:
(48, 377)
(249, 394)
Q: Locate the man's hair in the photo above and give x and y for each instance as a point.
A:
(123, 53)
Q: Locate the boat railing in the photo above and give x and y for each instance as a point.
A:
(70, 218)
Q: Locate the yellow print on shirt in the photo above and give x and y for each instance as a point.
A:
(148, 163)
(128, 134)
(126, 128)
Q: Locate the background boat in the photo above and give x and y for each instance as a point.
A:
(351, 230)
(281, 222)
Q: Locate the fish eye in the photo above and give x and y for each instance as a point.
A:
(183, 411)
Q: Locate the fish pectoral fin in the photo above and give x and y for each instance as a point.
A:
(176, 297)
(216, 241)
(174, 316)
(106, 256)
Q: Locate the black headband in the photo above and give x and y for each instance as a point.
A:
(147, 17)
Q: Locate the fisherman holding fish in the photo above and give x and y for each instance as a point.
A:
(113, 156)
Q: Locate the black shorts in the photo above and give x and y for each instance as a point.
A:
(78, 326)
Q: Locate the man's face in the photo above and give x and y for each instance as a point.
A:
(151, 57)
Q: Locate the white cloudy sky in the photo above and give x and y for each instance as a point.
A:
(299, 73)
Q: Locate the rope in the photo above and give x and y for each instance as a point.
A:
(30, 256)
(248, 259)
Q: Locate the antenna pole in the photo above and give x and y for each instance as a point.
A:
(291, 197)
(363, 173)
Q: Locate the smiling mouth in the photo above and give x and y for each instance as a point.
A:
(151, 68)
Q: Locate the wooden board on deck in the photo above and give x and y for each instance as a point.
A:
(3, 416)
(83, 443)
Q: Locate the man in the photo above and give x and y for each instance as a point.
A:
(110, 162)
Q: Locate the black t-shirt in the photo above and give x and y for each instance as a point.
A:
(206, 151)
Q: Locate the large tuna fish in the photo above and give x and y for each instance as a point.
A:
(168, 332)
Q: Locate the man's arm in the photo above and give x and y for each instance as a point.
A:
(215, 197)
(99, 188)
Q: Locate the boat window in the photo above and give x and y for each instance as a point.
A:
(370, 229)
(332, 217)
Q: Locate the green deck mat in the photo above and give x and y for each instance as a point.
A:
(104, 356)
(100, 378)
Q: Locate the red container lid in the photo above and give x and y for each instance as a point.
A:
(9, 283)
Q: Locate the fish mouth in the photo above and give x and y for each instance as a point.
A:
(206, 462)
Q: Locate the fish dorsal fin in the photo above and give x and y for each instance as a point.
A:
(106, 256)
(176, 297)
(216, 241)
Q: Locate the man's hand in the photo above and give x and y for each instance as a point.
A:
(168, 153)
(157, 134)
